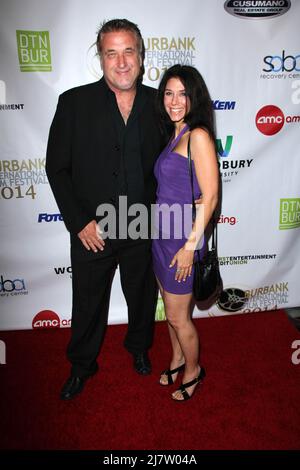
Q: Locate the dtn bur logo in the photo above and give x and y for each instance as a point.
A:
(34, 51)
(289, 213)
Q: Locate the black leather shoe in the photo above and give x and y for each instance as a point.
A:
(141, 363)
(72, 387)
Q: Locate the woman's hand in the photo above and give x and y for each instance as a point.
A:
(184, 259)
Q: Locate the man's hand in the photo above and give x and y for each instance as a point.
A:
(90, 237)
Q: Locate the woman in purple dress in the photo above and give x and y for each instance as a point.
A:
(186, 114)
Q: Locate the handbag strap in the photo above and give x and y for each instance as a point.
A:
(214, 243)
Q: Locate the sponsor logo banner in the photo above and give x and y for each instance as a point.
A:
(254, 9)
(12, 287)
(44, 217)
(18, 178)
(163, 52)
(49, 319)
(270, 119)
(289, 213)
(281, 66)
(223, 105)
(63, 271)
(245, 259)
(235, 299)
(34, 51)
(229, 168)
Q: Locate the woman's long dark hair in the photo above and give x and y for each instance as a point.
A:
(201, 108)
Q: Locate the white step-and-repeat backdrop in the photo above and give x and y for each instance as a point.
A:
(249, 55)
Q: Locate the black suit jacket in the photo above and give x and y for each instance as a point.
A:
(83, 152)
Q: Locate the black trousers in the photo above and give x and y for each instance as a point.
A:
(92, 279)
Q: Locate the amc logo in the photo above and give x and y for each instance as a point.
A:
(49, 319)
(269, 120)
(46, 319)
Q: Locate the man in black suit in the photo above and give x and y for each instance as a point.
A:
(103, 144)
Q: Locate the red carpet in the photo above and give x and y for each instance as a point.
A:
(249, 399)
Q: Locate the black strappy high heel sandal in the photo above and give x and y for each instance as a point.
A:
(183, 387)
(169, 373)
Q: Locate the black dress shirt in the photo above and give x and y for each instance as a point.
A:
(129, 177)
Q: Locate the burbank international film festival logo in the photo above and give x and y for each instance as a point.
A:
(34, 51)
(160, 54)
(163, 52)
(19, 178)
(289, 213)
(264, 298)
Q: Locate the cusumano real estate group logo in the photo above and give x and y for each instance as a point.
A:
(289, 213)
(257, 9)
(34, 51)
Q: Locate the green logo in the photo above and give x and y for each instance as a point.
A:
(221, 151)
(160, 311)
(34, 51)
(289, 213)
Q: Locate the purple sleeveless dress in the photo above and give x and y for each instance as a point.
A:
(174, 187)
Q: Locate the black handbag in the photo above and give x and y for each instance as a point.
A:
(207, 283)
